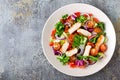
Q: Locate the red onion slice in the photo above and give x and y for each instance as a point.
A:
(90, 29)
(60, 38)
(85, 27)
(67, 23)
(91, 37)
(79, 62)
(56, 52)
(94, 33)
(73, 16)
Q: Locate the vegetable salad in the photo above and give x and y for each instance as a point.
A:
(79, 40)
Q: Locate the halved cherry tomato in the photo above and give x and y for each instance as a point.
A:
(70, 20)
(90, 24)
(85, 15)
(77, 14)
(70, 37)
(94, 52)
(90, 14)
(96, 20)
(56, 46)
(66, 29)
(103, 47)
(63, 21)
(72, 64)
(53, 33)
(72, 58)
(97, 30)
(51, 44)
(69, 47)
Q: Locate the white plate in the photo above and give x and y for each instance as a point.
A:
(69, 9)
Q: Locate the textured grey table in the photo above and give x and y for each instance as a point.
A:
(21, 24)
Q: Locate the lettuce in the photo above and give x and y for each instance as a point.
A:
(65, 16)
(101, 25)
(94, 40)
(81, 19)
(82, 57)
(59, 28)
(78, 40)
(92, 58)
(63, 59)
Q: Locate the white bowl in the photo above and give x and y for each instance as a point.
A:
(69, 9)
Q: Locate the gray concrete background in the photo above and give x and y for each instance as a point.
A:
(21, 24)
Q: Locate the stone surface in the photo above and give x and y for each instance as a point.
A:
(21, 24)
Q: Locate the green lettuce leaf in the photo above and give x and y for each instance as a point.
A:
(59, 28)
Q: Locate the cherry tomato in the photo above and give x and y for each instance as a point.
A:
(90, 24)
(85, 15)
(77, 14)
(103, 47)
(53, 33)
(70, 37)
(97, 30)
(94, 52)
(70, 46)
(90, 14)
(96, 20)
(56, 46)
(72, 64)
(66, 29)
(51, 44)
(63, 21)
(72, 58)
(69, 20)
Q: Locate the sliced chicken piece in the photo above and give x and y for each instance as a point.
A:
(74, 27)
(71, 52)
(87, 50)
(64, 47)
(99, 42)
(84, 32)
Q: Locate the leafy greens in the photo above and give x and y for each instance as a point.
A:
(63, 59)
(93, 58)
(101, 25)
(78, 40)
(59, 28)
(81, 19)
(65, 16)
